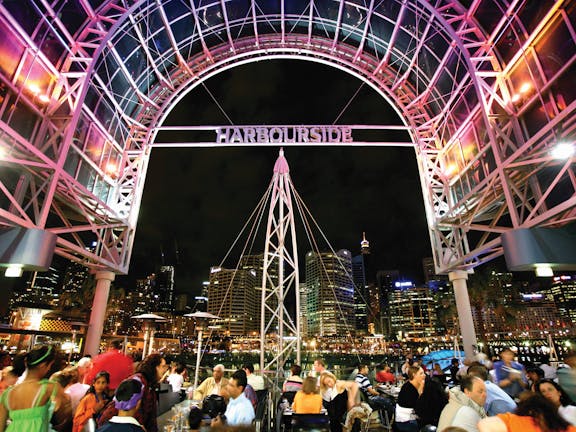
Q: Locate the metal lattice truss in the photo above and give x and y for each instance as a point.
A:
(484, 86)
(281, 253)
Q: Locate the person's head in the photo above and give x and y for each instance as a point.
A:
(570, 359)
(542, 411)
(479, 370)
(180, 368)
(115, 344)
(363, 368)
(553, 392)
(248, 368)
(327, 381)
(84, 365)
(453, 429)
(437, 367)
(309, 385)
(319, 365)
(455, 362)
(195, 418)
(416, 375)
(474, 388)
(128, 397)
(100, 383)
(66, 377)
(153, 368)
(534, 374)
(296, 370)
(5, 359)
(507, 355)
(237, 383)
(218, 372)
(41, 359)
(9, 377)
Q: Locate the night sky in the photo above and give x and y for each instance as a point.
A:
(196, 201)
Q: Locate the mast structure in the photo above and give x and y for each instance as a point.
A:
(280, 275)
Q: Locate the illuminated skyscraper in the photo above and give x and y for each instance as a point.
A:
(361, 285)
(413, 311)
(330, 291)
(165, 289)
(232, 297)
(564, 292)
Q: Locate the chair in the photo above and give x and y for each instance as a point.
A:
(385, 418)
(309, 422)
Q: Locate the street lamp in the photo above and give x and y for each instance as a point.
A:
(148, 321)
(201, 318)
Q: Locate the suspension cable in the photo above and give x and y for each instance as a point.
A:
(219, 106)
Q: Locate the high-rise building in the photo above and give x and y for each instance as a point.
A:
(330, 291)
(165, 289)
(361, 297)
(412, 311)
(386, 280)
(303, 291)
(564, 293)
(232, 297)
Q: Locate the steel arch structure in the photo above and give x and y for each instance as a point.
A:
(484, 87)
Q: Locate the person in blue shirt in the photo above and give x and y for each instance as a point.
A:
(510, 375)
(239, 410)
(497, 400)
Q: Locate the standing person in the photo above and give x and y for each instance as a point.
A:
(510, 375)
(567, 375)
(497, 400)
(308, 400)
(93, 402)
(559, 398)
(30, 405)
(239, 410)
(534, 414)
(8, 378)
(256, 381)
(113, 361)
(149, 372)
(339, 397)
(77, 390)
(454, 367)
(406, 419)
(127, 401)
(466, 405)
(212, 385)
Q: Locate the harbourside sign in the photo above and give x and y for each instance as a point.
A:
(284, 134)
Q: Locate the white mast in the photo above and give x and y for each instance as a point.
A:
(281, 253)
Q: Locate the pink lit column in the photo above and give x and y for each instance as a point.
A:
(458, 279)
(98, 315)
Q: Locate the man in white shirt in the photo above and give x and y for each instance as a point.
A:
(256, 381)
(239, 410)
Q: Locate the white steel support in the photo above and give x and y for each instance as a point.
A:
(281, 253)
(98, 315)
(458, 279)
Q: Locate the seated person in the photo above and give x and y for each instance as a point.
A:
(338, 398)
(376, 401)
(195, 417)
(239, 410)
(294, 381)
(127, 400)
(308, 400)
(385, 376)
(212, 385)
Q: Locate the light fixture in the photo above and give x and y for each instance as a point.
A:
(563, 150)
(544, 270)
(13, 270)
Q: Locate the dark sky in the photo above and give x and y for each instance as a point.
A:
(197, 200)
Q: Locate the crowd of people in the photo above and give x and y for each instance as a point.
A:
(112, 393)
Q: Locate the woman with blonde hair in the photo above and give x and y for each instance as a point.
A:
(339, 397)
(308, 400)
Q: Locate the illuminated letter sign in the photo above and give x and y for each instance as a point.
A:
(284, 134)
